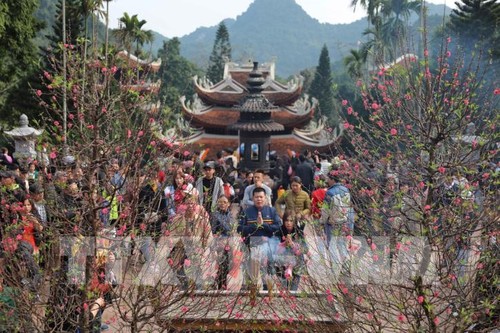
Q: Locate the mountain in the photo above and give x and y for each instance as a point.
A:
(268, 29)
(281, 29)
(276, 28)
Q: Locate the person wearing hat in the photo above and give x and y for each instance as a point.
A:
(209, 187)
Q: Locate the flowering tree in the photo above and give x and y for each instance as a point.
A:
(422, 174)
(115, 118)
(421, 183)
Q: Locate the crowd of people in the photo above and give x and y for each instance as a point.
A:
(206, 200)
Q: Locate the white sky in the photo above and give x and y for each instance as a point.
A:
(176, 18)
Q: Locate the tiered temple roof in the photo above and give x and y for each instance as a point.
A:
(144, 82)
(213, 113)
(134, 61)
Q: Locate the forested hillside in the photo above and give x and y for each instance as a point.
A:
(267, 29)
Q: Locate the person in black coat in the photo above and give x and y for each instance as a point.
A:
(305, 171)
(152, 212)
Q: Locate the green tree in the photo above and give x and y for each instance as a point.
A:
(372, 8)
(18, 56)
(131, 33)
(176, 75)
(321, 86)
(75, 25)
(396, 14)
(308, 75)
(142, 37)
(388, 30)
(354, 63)
(476, 21)
(221, 53)
(126, 34)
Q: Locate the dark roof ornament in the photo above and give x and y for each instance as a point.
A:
(255, 109)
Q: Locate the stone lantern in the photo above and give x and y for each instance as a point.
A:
(24, 139)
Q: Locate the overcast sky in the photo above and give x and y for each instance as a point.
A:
(176, 18)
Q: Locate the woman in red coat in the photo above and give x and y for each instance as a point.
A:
(317, 196)
(31, 225)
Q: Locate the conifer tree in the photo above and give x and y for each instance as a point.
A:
(18, 28)
(74, 24)
(476, 21)
(220, 52)
(321, 86)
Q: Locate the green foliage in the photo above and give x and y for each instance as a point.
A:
(221, 53)
(321, 86)
(390, 21)
(18, 27)
(308, 75)
(354, 63)
(176, 74)
(132, 33)
(75, 26)
(476, 21)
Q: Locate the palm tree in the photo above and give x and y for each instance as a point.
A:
(354, 63)
(92, 8)
(376, 47)
(131, 32)
(372, 8)
(142, 37)
(396, 14)
(389, 19)
(126, 33)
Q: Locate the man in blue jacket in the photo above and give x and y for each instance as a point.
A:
(259, 226)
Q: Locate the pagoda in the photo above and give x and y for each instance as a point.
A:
(248, 103)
